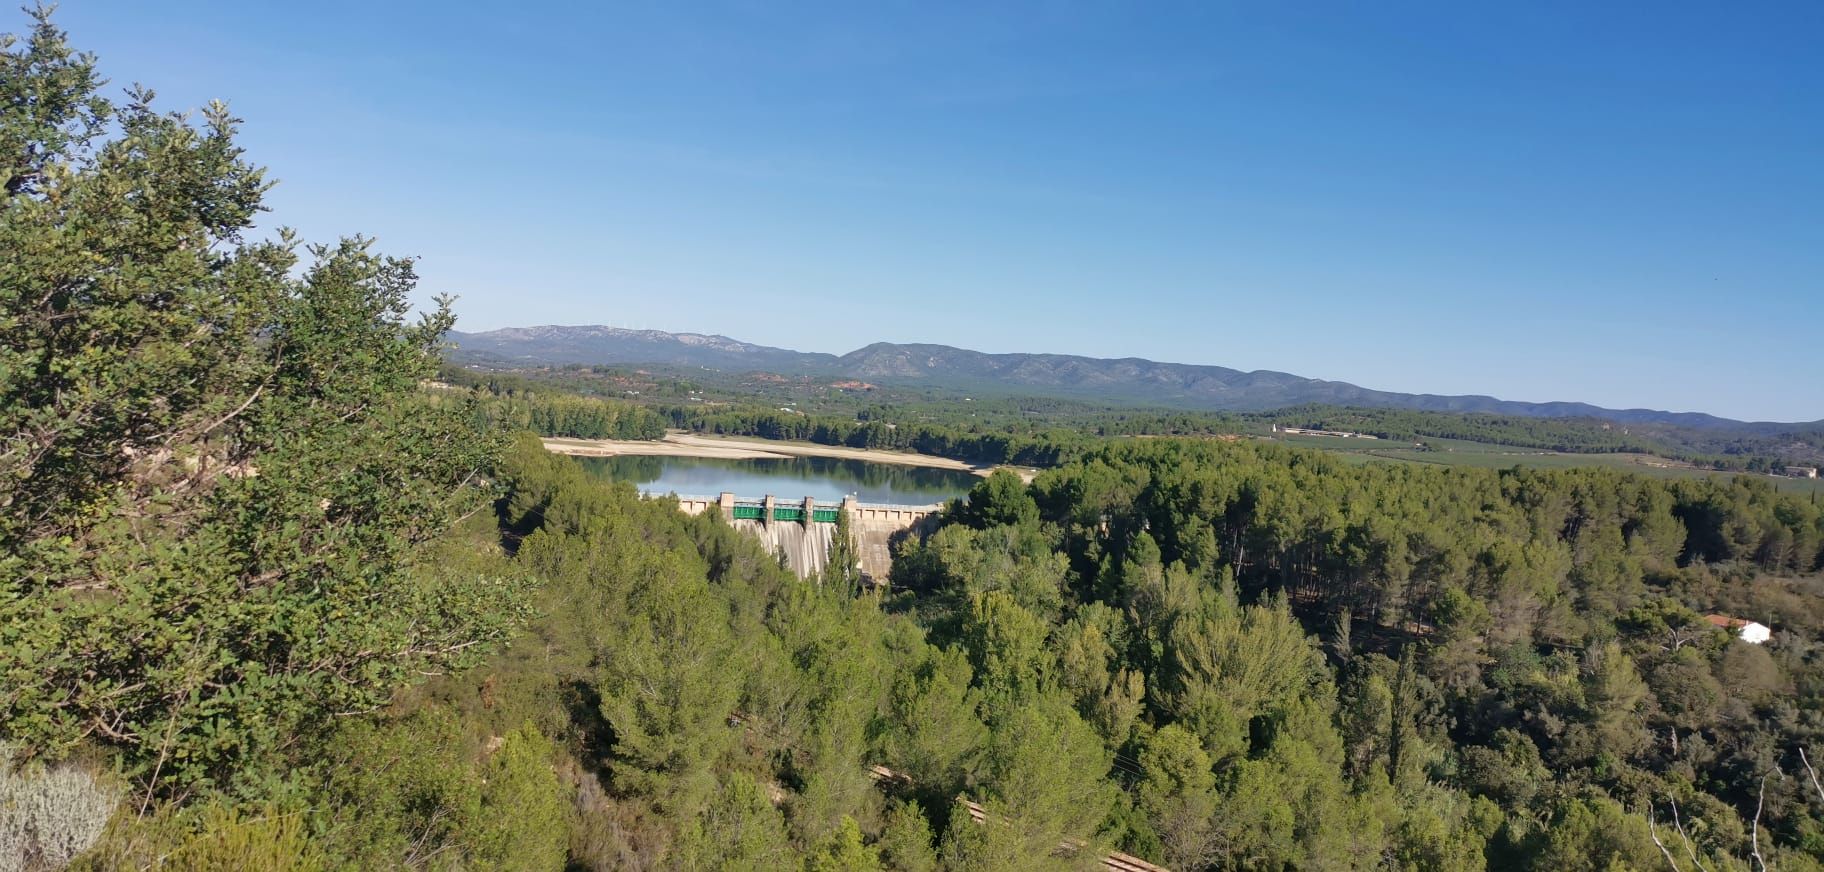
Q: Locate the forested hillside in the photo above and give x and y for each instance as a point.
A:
(271, 598)
(1208, 655)
(819, 409)
(1125, 381)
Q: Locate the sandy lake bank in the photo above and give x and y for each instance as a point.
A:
(678, 443)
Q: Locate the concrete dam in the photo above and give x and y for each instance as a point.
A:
(803, 530)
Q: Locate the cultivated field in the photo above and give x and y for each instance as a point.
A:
(1456, 452)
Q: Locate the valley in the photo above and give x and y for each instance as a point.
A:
(295, 576)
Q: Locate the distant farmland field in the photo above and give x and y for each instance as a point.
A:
(1456, 452)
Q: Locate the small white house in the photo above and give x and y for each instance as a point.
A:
(1752, 632)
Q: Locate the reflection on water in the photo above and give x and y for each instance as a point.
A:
(825, 479)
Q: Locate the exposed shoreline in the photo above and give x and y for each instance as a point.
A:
(678, 443)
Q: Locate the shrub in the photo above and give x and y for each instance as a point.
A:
(49, 815)
(210, 837)
(227, 841)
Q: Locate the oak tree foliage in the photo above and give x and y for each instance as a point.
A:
(216, 473)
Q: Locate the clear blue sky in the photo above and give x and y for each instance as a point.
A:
(1620, 203)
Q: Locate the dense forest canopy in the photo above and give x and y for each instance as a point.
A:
(271, 597)
(1519, 655)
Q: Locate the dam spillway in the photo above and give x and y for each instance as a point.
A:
(802, 530)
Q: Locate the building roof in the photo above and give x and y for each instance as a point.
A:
(1727, 622)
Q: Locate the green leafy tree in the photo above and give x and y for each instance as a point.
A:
(1001, 499)
(1615, 695)
(905, 840)
(1177, 791)
(1441, 830)
(1006, 644)
(738, 830)
(1508, 769)
(842, 567)
(839, 679)
(1595, 834)
(842, 851)
(217, 471)
(1043, 779)
(524, 817)
(1229, 666)
(666, 685)
(399, 793)
(1109, 696)
(932, 732)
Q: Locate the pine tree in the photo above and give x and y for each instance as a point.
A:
(842, 566)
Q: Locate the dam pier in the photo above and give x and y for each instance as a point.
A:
(802, 530)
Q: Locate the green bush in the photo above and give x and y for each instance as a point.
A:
(213, 836)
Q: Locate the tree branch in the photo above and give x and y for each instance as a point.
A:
(231, 415)
(1754, 834)
(1653, 831)
(1689, 849)
(1812, 772)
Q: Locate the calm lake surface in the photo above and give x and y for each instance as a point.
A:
(825, 479)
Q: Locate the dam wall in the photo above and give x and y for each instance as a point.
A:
(876, 528)
(802, 530)
(806, 546)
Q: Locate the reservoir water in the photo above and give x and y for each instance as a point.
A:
(825, 479)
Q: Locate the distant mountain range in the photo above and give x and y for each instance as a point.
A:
(1129, 379)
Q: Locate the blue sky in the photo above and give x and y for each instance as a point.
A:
(1620, 203)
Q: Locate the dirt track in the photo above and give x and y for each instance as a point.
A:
(680, 444)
